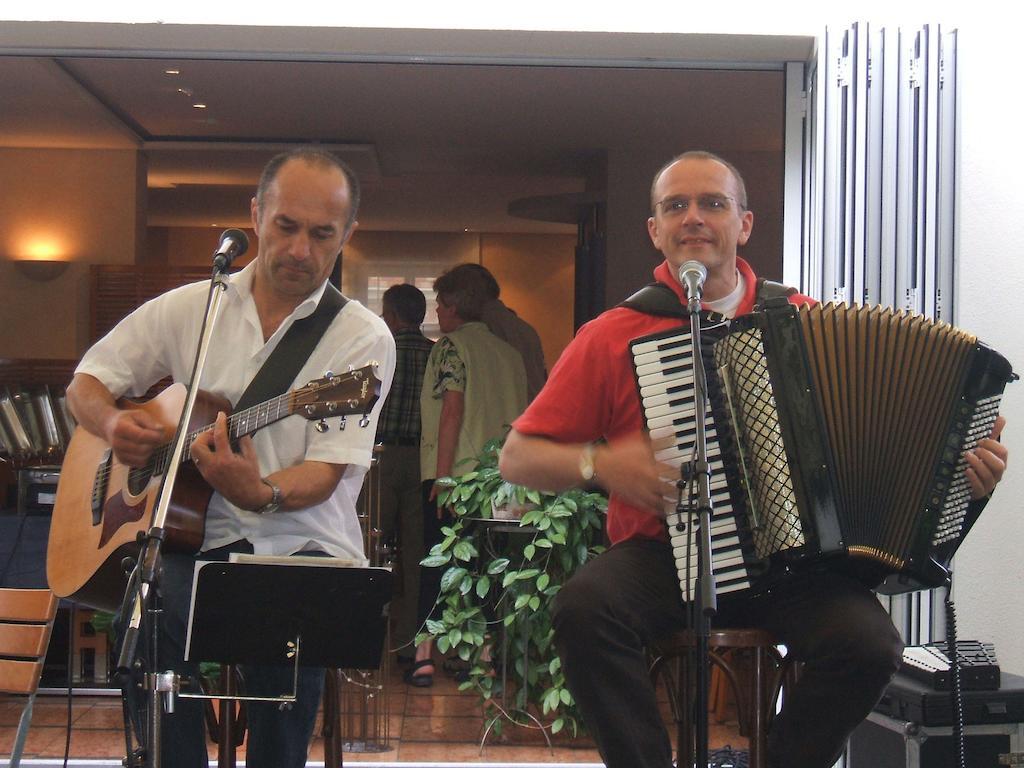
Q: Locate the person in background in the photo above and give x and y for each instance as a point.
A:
(507, 325)
(474, 386)
(404, 307)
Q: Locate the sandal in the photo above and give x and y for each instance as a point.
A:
(419, 681)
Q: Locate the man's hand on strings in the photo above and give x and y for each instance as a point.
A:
(987, 462)
(133, 435)
(234, 474)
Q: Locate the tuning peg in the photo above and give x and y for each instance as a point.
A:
(364, 421)
(329, 374)
(342, 423)
(321, 426)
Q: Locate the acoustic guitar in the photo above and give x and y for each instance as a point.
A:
(103, 505)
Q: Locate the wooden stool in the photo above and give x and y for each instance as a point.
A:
(755, 691)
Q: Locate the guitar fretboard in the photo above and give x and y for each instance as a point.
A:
(239, 424)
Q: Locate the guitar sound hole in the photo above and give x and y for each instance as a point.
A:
(138, 479)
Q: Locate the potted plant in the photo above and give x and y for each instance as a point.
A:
(487, 594)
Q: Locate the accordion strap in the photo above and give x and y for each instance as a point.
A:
(656, 299)
(660, 300)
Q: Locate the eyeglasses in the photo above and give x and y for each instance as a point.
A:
(711, 204)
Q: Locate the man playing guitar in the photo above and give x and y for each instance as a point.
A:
(290, 487)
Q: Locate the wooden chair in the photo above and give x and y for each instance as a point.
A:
(26, 619)
(755, 685)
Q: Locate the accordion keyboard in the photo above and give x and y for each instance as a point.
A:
(664, 373)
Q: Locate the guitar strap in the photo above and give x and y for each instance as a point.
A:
(280, 369)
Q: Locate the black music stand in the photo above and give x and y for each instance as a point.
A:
(254, 613)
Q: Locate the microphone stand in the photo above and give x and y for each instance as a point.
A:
(706, 599)
(142, 594)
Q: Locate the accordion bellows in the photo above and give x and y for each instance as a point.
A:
(842, 432)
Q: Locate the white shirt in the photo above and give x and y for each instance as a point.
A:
(160, 338)
(727, 305)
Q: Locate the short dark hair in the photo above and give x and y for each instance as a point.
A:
(488, 284)
(464, 289)
(407, 301)
(318, 158)
(700, 154)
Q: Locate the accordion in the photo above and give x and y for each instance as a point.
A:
(836, 437)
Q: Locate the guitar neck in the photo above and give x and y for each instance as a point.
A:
(333, 395)
(251, 419)
(240, 424)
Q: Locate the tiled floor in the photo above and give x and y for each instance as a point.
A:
(422, 725)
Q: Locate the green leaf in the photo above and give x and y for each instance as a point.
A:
(521, 601)
(554, 665)
(436, 627)
(483, 585)
(435, 561)
(451, 577)
(443, 644)
(509, 578)
(535, 603)
(565, 696)
(543, 543)
(497, 565)
(464, 551)
(455, 637)
(466, 585)
(529, 551)
(530, 518)
(542, 581)
(557, 725)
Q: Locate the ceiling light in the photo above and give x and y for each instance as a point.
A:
(199, 105)
(172, 71)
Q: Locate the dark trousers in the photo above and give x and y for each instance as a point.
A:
(401, 520)
(277, 738)
(615, 605)
(430, 578)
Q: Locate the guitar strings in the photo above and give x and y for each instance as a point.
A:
(158, 462)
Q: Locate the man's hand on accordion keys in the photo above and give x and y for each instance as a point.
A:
(627, 468)
(987, 462)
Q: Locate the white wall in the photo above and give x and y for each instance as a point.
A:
(989, 580)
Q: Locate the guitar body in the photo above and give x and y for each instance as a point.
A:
(95, 523)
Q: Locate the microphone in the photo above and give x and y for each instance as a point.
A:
(692, 275)
(233, 243)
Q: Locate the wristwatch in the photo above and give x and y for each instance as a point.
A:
(587, 471)
(275, 500)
